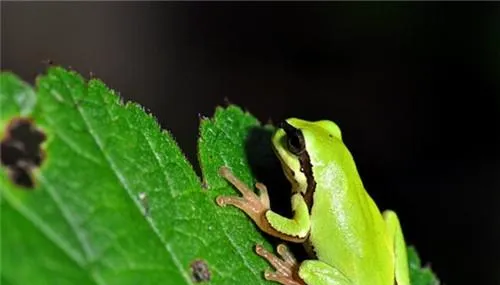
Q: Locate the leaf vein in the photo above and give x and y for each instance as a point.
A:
(67, 217)
(41, 226)
(123, 180)
(237, 249)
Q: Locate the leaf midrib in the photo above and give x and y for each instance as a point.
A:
(120, 177)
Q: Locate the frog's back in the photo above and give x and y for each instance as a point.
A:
(348, 231)
(352, 238)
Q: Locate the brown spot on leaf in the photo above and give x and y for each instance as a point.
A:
(20, 151)
(199, 271)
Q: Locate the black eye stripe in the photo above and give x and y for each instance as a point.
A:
(294, 137)
(304, 159)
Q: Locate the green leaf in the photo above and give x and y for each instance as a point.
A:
(85, 222)
(419, 275)
(113, 199)
(17, 98)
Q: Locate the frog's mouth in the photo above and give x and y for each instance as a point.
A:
(290, 176)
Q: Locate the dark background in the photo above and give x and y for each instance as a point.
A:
(414, 87)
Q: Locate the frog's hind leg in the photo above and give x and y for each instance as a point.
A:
(319, 273)
(401, 270)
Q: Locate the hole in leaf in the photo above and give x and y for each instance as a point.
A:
(199, 271)
(20, 151)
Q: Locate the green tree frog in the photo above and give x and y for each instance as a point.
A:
(349, 240)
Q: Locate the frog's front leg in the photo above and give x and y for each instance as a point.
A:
(258, 209)
(286, 266)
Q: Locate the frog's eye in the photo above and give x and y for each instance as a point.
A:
(294, 139)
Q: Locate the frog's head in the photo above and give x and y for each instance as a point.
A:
(300, 144)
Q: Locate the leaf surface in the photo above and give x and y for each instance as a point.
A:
(113, 200)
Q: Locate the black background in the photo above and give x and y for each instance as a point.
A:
(414, 87)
